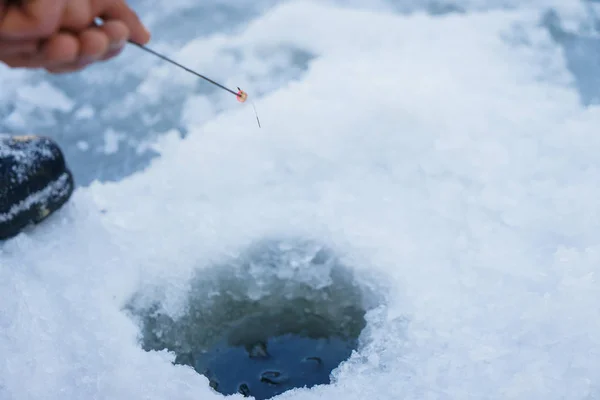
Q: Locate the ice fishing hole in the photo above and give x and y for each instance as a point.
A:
(279, 316)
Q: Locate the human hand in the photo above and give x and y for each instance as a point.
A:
(60, 35)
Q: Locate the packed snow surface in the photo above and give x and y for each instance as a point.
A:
(448, 159)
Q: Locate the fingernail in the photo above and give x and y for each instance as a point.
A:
(116, 45)
(85, 61)
(112, 53)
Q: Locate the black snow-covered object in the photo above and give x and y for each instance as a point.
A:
(34, 182)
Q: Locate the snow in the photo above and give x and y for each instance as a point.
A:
(447, 159)
(44, 95)
(83, 145)
(111, 141)
(85, 112)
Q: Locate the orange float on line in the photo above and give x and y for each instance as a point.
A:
(241, 96)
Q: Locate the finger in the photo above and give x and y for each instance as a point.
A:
(93, 45)
(61, 48)
(23, 61)
(96, 43)
(117, 33)
(67, 68)
(99, 43)
(35, 19)
(77, 15)
(13, 47)
(119, 10)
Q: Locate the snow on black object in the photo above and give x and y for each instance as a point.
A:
(34, 182)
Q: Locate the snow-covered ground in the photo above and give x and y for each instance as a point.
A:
(450, 159)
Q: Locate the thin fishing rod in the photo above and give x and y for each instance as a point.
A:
(239, 94)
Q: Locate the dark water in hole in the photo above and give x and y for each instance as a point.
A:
(275, 318)
(269, 368)
(268, 353)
